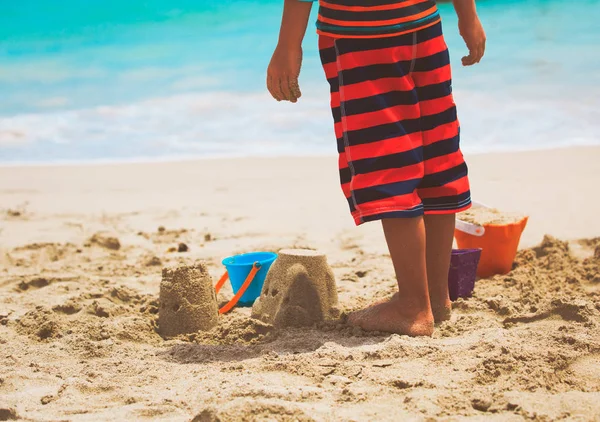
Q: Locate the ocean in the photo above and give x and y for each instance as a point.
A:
(131, 80)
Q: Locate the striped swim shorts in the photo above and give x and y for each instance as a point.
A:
(396, 125)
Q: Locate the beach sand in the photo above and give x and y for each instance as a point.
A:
(82, 250)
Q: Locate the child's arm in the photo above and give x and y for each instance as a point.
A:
(284, 69)
(471, 30)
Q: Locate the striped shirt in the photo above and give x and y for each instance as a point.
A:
(374, 18)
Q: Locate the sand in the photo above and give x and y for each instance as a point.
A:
(187, 301)
(299, 290)
(78, 320)
(489, 216)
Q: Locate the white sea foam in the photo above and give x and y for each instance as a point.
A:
(228, 124)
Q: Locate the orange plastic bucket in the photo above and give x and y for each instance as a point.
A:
(498, 243)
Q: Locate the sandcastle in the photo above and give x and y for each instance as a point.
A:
(188, 302)
(299, 290)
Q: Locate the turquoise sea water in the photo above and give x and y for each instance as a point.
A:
(86, 80)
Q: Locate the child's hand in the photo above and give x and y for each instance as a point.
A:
(472, 32)
(283, 73)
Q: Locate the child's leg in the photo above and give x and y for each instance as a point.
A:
(444, 189)
(408, 312)
(440, 235)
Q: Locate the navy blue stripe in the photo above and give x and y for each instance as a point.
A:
(394, 70)
(442, 178)
(432, 92)
(380, 102)
(345, 45)
(384, 191)
(341, 147)
(448, 202)
(345, 175)
(401, 128)
(334, 83)
(337, 114)
(374, 15)
(328, 55)
(411, 213)
(390, 161)
(394, 98)
(441, 148)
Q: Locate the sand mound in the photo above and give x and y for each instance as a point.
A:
(483, 216)
(106, 241)
(299, 290)
(40, 323)
(256, 411)
(236, 329)
(8, 414)
(188, 302)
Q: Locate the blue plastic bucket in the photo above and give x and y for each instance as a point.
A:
(238, 268)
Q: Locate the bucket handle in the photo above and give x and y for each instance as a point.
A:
(234, 300)
(472, 229)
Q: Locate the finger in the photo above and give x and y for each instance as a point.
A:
(284, 88)
(277, 88)
(290, 89)
(271, 88)
(472, 57)
(294, 89)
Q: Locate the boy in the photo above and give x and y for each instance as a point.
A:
(397, 133)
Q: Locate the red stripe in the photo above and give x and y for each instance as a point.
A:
(379, 86)
(445, 131)
(391, 204)
(339, 129)
(381, 117)
(437, 105)
(392, 54)
(386, 147)
(335, 99)
(443, 163)
(383, 177)
(432, 77)
(330, 70)
(342, 161)
(325, 42)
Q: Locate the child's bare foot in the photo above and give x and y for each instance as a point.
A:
(441, 312)
(441, 306)
(394, 316)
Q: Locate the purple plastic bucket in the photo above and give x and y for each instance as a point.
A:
(463, 272)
